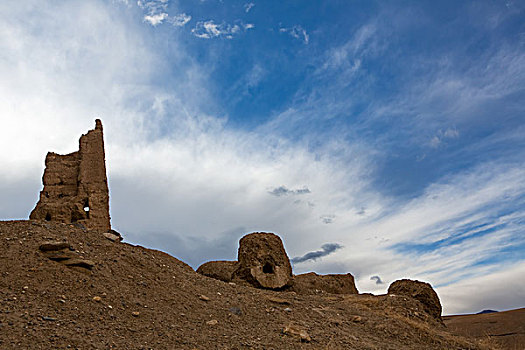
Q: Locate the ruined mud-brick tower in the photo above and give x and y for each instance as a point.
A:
(76, 186)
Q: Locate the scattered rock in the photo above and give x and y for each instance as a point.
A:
(97, 299)
(87, 264)
(287, 309)
(46, 318)
(356, 319)
(235, 311)
(296, 331)
(135, 313)
(54, 246)
(421, 291)
(212, 322)
(221, 270)
(279, 301)
(204, 298)
(311, 283)
(263, 261)
(112, 237)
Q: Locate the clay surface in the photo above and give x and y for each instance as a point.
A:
(221, 270)
(75, 185)
(312, 283)
(421, 291)
(263, 261)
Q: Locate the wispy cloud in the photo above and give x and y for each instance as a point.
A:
(156, 10)
(180, 20)
(284, 191)
(442, 136)
(297, 32)
(326, 249)
(210, 29)
(248, 7)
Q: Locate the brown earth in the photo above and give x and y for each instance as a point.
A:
(131, 297)
(506, 329)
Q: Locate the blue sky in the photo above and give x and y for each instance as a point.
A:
(377, 138)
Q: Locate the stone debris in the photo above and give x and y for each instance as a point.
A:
(356, 319)
(212, 322)
(54, 246)
(204, 298)
(235, 311)
(135, 313)
(97, 299)
(64, 253)
(112, 237)
(279, 301)
(296, 331)
(75, 185)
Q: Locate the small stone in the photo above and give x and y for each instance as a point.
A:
(135, 313)
(112, 237)
(287, 309)
(235, 311)
(204, 297)
(62, 301)
(296, 331)
(54, 246)
(26, 288)
(87, 264)
(46, 318)
(212, 322)
(356, 319)
(97, 299)
(279, 301)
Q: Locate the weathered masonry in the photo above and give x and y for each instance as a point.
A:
(76, 186)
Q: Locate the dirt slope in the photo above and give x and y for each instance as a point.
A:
(504, 328)
(136, 298)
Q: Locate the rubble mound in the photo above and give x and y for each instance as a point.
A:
(310, 283)
(221, 270)
(421, 291)
(75, 185)
(263, 261)
(138, 298)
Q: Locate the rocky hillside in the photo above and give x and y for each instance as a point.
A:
(65, 287)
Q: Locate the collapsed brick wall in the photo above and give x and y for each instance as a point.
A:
(76, 186)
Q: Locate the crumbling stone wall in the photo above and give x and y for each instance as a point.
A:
(76, 186)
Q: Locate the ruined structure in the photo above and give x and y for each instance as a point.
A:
(75, 185)
(421, 291)
(263, 261)
(312, 283)
(220, 270)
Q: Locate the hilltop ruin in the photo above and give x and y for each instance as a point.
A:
(75, 185)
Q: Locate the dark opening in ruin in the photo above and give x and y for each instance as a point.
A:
(86, 207)
(48, 217)
(268, 268)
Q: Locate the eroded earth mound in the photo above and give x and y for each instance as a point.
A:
(421, 291)
(136, 298)
(311, 283)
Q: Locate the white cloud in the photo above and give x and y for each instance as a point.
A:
(155, 19)
(297, 32)
(443, 136)
(177, 174)
(210, 29)
(180, 20)
(248, 7)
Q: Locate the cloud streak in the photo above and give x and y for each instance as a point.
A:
(326, 249)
